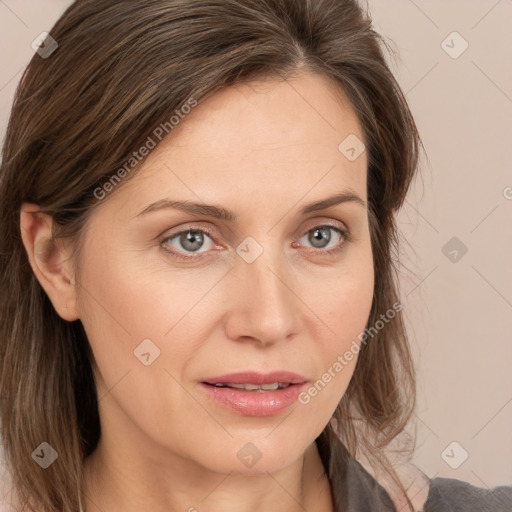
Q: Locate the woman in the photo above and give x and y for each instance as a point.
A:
(199, 305)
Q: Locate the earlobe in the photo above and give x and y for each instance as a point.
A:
(50, 260)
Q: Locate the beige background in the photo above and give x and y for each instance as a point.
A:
(459, 312)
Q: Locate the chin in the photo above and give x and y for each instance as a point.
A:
(253, 456)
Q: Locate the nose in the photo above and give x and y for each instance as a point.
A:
(263, 307)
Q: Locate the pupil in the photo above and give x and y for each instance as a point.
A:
(321, 235)
(192, 241)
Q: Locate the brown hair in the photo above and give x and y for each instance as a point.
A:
(121, 69)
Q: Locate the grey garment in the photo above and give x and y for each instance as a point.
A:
(450, 495)
(365, 494)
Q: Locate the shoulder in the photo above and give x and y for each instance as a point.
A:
(449, 494)
(369, 492)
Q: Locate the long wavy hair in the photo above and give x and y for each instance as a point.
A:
(121, 68)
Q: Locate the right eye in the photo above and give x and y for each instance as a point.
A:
(187, 241)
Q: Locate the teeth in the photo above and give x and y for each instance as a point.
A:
(254, 387)
(248, 387)
(268, 387)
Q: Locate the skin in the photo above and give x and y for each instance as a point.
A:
(262, 150)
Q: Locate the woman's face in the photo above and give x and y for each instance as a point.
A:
(266, 288)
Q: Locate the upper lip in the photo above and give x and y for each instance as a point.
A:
(257, 378)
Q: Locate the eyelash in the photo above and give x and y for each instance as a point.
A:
(345, 235)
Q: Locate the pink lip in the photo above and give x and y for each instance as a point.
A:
(257, 378)
(255, 403)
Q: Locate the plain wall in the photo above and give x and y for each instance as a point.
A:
(458, 307)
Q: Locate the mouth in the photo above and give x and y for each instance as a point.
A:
(253, 387)
(255, 394)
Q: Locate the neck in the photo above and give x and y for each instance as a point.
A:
(114, 482)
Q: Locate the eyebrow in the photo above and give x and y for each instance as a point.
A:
(218, 212)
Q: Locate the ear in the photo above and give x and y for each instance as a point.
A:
(50, 260)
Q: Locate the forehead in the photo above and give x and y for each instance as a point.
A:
(279, 136)
(266, 115)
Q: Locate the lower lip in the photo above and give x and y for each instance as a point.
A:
(254, 403)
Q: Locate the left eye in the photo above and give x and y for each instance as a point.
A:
(321, 236)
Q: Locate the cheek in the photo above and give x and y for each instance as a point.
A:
(343, 309)
(353, 304)
(346, 300)
(132, 299)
